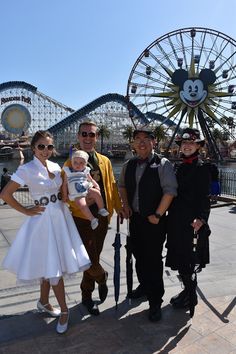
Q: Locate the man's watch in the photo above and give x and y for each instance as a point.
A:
(158, 216)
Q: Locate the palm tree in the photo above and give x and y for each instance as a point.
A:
(217, 134)
(103, 132)
(128, 133)
(231, 124)
(159, 132)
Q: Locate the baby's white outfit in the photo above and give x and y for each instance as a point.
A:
(78, 184)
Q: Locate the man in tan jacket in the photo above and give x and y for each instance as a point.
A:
(102, 173)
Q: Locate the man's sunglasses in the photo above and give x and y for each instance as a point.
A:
(41, 147)
(85, 134)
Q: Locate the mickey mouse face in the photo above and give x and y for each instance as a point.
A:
(193, 92)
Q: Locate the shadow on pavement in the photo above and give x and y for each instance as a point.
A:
(213, 309)
(126, 330)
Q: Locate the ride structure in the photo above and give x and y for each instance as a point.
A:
(187, 77)
(24, 110)
(109, 110)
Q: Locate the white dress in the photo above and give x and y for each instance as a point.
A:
(48, 245)
(78, 183)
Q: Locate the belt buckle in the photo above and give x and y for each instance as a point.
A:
(44, 201)
(53, 198)
(59, 196)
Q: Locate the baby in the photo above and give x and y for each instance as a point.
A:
(78, 183)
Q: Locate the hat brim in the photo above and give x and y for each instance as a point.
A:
(200, 142)
(148, 132)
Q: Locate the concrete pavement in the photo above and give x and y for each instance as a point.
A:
(127, 329)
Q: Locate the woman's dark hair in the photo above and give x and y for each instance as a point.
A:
(38, 135)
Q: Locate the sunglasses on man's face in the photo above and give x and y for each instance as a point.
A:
(41, 147)
(85, 134)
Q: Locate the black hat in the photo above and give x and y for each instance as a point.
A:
(144, 130)
(190, 134)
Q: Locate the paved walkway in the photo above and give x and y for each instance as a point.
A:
(127, 329)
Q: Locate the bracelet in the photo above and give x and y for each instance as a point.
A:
(157, 215)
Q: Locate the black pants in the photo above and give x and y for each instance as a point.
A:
(147, 244)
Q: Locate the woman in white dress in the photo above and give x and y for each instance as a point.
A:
(48, 245)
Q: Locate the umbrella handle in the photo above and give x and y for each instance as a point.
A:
(128, 233)
(118, 223)
(195, 239)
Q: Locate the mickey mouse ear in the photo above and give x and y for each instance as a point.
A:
(207, 76)
(179, 76)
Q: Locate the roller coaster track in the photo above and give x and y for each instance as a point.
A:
(82, 112)
(21, 84)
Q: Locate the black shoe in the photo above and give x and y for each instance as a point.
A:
(182, 300)
(154, 314)
(137, 293)
(103, 289)
(178, 298)
(91, 307)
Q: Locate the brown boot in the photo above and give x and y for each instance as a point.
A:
(103, 289)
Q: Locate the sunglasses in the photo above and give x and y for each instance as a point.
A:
(144, 140)
(41, 147)
(85, 134)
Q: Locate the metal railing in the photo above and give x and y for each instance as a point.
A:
(227, 180)
(23, 197)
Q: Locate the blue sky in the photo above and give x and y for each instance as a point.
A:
(77, 50)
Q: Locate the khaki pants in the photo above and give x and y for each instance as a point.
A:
(93, 241)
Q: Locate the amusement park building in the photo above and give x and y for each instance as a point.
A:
(24, 110)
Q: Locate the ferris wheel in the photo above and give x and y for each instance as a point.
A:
(187, 77)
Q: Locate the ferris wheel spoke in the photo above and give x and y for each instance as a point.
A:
(166, 56)
(183, 51)
(151, 78)
(147, 86)
(164, 67)
(153, 70)
(221, 51)
(148, 105)
(225, 61)
(173, 49)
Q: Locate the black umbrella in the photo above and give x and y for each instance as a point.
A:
(116, 275)
(129, 264)
(193, 280)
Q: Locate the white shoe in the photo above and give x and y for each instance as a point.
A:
(62, 328)
(103, 212)
(43, 308)
(94, 223)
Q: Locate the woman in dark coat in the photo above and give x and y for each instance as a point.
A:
(188, 217)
